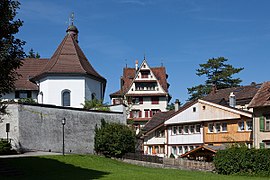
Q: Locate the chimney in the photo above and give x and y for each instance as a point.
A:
(232, 100)
(136, 65)
(214, 89)
(176, 105)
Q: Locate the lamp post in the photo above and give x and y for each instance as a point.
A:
(63, 123)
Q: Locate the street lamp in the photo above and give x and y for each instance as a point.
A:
(63, 123)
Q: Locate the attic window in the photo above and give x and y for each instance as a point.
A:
(144, 66)
(203, 107)
(194, 109)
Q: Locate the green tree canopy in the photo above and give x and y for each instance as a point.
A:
(11, 51)
(218, 74)
(32, 54)
(114, 140)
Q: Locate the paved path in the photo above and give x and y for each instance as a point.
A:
(30, 154)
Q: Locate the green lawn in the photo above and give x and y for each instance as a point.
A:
(94, 167)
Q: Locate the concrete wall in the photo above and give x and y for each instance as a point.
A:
(39, 127)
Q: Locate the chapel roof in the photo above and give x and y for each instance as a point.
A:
(29, 69)
(69, 59)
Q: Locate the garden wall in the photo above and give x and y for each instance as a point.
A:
(39, 127)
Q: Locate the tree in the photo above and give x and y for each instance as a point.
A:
(95, 104)
(114, 140)
(11, 51)
(218, 74)
(32, 54)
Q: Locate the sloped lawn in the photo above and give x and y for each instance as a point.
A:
(94, 167)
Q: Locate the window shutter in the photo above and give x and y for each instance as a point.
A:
(261, 145)
(262, 124)
(129, 100)
(141, 100)
(131, 114)
(146, 113)
(140, 113)
(151, 113)
(113, 101)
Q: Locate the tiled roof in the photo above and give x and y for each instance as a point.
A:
(29, 69)
(158, 119)
(262, 97)
(69, 58)
(129, 75)
(243, 94)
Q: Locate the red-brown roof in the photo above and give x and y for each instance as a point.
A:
(69, 59)
(129, 75)
(262, 97)
(243, 94)
(29, 69)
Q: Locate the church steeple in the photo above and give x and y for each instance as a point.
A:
(72, 30)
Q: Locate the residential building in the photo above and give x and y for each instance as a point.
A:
(261, 116)
(144, 90)
(66, 79)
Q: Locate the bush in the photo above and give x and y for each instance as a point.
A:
(114, 140)
(5, 147)
(95, 104)
(244, 161)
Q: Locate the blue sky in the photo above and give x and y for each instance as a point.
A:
(181, 34)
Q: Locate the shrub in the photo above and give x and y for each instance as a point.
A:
(27, 100)
(5, 147)
(114, 140)
(241, 160)
(95, 104)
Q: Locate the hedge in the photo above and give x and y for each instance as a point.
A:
(114, 140)
(241, 160)
(5, 147)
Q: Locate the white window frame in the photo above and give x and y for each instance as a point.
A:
(267, 120)
(210, 125)
(217, 130)
(174, 130)
(184, 132)
(190, 129)
(222, 130)
(180, 127)
(247, 126)
(241, 125)
(180, 150)
(196, 128)
(174, 150)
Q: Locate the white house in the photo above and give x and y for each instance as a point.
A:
(145, 92)
(66, 79)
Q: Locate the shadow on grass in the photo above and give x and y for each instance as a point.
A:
(43, 168)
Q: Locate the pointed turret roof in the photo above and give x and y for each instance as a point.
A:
(69, 59)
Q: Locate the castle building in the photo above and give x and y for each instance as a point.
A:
(144, 90)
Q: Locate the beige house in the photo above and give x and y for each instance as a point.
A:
(261, 116)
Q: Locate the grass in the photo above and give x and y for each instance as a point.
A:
(94, 167)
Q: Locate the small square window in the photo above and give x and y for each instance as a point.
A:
(174, 130)
(249, 125)
(217, 127)
(194, 109)
(180, 129)
(198, 128)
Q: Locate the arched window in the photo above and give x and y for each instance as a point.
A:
(66, 97)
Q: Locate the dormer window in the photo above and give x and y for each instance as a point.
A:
(145, 74)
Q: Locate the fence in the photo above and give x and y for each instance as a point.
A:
(141, 157)
(180, 163)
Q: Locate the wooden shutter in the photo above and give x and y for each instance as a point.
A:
(131, 114)
(140, 113)
(262, 145)
(141, 100)
(151, 113)
(146, 113)
(262, 128)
